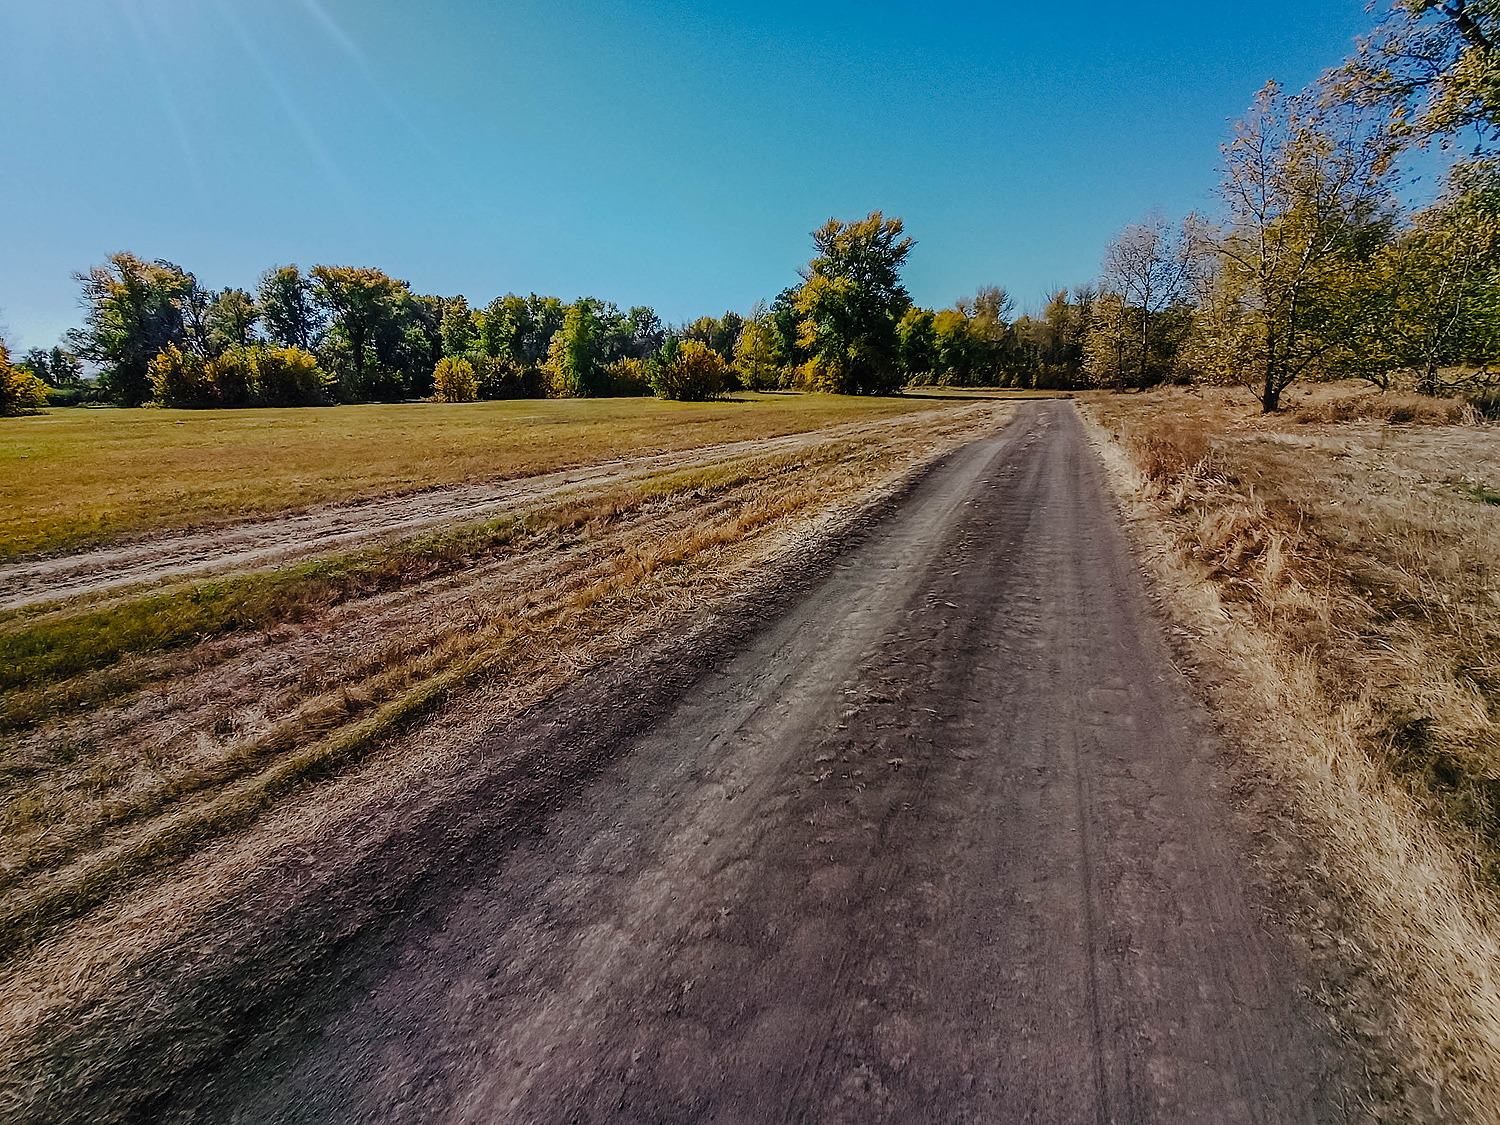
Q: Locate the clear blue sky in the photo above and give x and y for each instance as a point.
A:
(671, 154)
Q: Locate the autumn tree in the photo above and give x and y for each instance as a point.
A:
(132, 310)
(688, 371)
(719, 333)
(755, 353)
(21, 391)
(1305, 189)
(850, 303)
(453, 380)
(1434, 65)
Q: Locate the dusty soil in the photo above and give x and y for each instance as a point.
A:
(928, 829)
(262, 543)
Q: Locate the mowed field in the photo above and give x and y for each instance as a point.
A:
(79, 476)
(144, 725)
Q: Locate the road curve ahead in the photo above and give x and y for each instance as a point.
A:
(946, 842)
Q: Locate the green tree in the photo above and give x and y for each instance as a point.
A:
(850, 303)
(786, 322)
(361, 303)
(132, 310)
(458, 328)
(289, 308)
(573, 358)
(1441, 292)
(520, 329)
(57, 368)
(916, 345)
(647, 333)
(230, 320)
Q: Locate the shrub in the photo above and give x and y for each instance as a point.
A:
(288, 377)
(689, 371)
(256, 376)
(21, 392)
(504, 379)
(180, 378)
(628, 378)
(454, 380)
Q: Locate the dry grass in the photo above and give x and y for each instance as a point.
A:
(1341, 575)
(76, 476)
(131, 768)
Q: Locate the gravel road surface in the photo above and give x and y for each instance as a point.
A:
(942, 839)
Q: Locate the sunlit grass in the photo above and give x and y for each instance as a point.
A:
(77, 476)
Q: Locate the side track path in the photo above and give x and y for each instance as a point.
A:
(946, 842)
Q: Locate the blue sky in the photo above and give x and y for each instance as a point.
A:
(671, 154)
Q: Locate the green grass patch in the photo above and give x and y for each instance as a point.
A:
(1475, 490)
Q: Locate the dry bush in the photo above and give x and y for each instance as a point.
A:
(1390, 407)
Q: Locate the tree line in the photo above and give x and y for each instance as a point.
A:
(1310, 269)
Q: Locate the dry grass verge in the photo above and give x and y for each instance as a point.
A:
(1342, 587)
(207, 737)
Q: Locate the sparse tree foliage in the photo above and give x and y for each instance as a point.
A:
(755, 352)
(1150, 267)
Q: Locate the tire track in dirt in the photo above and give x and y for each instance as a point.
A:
(943, 840)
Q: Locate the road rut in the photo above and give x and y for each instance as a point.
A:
(946, 841)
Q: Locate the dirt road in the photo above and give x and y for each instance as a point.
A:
(941, 839)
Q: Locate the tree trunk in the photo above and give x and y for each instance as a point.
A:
(357, 342)
(1145, 345)
(1270, 399)
(1270, 395)
(1428, 384)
